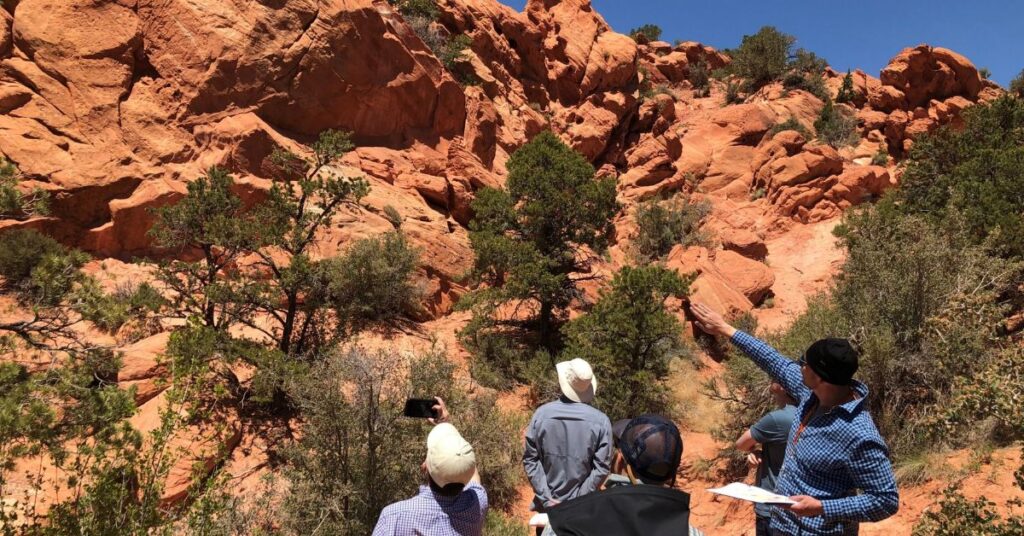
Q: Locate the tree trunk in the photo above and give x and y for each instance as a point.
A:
(289, 323)
(546, 329)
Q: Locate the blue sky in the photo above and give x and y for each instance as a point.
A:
(862, 35)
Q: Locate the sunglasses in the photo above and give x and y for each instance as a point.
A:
(803, 360)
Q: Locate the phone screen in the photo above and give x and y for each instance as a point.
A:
(420, 408)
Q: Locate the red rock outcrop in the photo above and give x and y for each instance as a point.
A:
(812, 182)
(112, 106)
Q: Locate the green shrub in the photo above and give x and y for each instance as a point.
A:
(881, 158)
(970, 176)
(994, 394)
(17, 205)
(110, 312)
(416, 8)
(357, 454)
(805, 71)
(923, 306)
(805, 61)
(500, 525)
(372, 281)
(21, 250)
(451, 57)
(646, 33)
(700, 78)
(661, 225)
(630, 338)
(959, 515)
(762, 58)
(1017, 85)
(810, 83)
(846, 93)
(790, 124)
(392, 215)
(732, 93)
(835, 127)
(985, 73)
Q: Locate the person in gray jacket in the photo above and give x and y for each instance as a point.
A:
(568, 441)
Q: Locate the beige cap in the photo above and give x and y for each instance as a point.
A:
(450, 458)
(577, 380)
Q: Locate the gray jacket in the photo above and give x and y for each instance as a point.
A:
(568, 451)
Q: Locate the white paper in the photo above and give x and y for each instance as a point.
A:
(746, 492)
(539, 520)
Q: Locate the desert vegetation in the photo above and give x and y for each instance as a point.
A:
(327, 220)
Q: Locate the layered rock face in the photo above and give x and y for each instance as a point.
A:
(114, 105)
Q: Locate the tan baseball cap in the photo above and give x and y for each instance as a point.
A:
(450, 458)
(577, 380)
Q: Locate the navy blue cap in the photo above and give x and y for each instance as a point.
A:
(652, 447)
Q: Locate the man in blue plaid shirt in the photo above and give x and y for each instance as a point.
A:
(837, 466)
(452, 502)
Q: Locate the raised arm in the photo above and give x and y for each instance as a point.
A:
(532, 463)
(781, 369)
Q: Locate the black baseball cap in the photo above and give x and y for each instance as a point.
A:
(652, 447)
(834, 360)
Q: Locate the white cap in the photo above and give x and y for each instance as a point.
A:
(450, 458)
(577, 380)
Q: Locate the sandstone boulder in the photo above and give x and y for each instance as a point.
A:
(131, 218)
(481, 125)
(711, 286)
(5, 33)
(924, 73)
(611, 65)
(90, 46)
(591, 125)
(752, 278)
(569, 29)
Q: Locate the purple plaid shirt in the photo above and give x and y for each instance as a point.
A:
(429, 514)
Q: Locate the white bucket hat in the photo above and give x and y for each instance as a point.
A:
(577, 380)
(450, 458)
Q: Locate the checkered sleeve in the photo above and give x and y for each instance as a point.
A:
(481, 496)
(872, 474)
(780, 368)
(386, 524)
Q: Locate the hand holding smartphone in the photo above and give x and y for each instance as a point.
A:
(421, 408)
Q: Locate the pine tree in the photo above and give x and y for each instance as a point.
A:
(846, 93)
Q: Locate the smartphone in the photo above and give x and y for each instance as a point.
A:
(420, 408)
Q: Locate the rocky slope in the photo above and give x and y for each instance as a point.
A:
(113, 105)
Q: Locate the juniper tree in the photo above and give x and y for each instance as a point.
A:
(846, 93)
(535, 241)
(631, 337)
(305, 198)
(209, 220)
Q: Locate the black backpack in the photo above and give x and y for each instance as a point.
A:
(639, 510)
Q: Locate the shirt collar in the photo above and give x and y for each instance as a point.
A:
(441, 500)
(854, 405)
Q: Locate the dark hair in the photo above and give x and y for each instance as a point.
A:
(450, 490)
